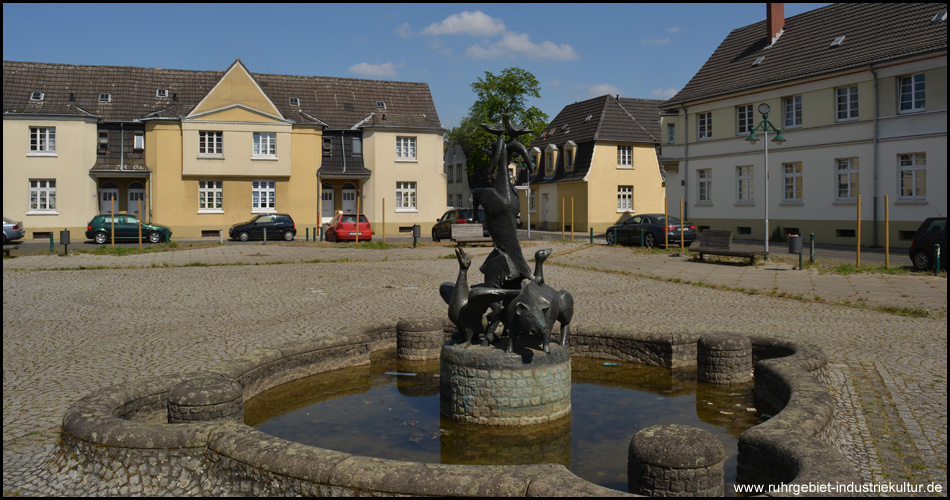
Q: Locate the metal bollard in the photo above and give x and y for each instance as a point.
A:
(265, 237)
(51, 242)
(812, 256)
(936, 260)
(591, 236)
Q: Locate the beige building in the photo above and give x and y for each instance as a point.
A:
(202, 150)
(595, 165)
(859, 92)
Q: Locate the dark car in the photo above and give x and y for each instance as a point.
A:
(276, 226)
(932, 231)
(12, 230)
(344, 227)
(650, 230)
(442, 230)
(126, 227)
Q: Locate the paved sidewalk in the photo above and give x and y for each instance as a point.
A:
(75, 324)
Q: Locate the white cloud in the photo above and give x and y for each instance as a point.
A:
(657, 41)
(518, 44)
(674, 30)
(404, 31)
(376, 70)
(663, 93)
(603, 88)
(467, 23)
(555, 84)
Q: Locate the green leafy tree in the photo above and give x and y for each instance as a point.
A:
(506, 93)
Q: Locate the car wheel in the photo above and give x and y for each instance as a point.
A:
(649, 240)
(154, 237)
(4, 238)
(244, 236)
(331, 237)
(921, 261)
(435, 237)
(610, 237)
(288, 236)
(100, 238)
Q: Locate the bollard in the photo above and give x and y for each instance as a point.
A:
(812, 256)
(307, 232)
(675, 460)
(321, 232)
(51, 250)
(265, 237)
(936, 260)
(221, 236)
(591, 236)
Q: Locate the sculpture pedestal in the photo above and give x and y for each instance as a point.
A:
(486, 386)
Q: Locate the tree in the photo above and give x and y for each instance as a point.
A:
(496, 95)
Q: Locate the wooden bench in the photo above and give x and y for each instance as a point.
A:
(719, 242)
(469, 233)
(7, 248)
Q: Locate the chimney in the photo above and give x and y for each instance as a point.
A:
(775, 21)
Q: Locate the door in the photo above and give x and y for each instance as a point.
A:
(326, 204)
(108, 193)
(348, 195)
(136, 196)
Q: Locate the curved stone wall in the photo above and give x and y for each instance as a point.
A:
(118, 439)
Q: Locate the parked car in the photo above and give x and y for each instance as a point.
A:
(126, 228)
(276, 226)
(931, 231)
(12, 230)
(343, 227)
(442, 230)
(651, 229)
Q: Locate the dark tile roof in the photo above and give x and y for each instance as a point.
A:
(336, 103)
(873, 32)
(604, 118)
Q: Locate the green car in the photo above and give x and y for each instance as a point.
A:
(126, 228)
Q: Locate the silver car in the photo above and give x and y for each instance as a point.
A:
(12, 230)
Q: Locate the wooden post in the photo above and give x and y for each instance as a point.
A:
(572, 218)
(682, 243)
(562, 218)
(859, 232)
(384, 220)
(112, 221)
(140, 223)
(887, 234)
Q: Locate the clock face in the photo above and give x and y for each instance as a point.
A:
(764, 108)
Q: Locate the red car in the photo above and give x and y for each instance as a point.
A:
(343, 227)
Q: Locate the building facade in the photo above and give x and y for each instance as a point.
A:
(594, 165)
(201, 150)
(859, 93)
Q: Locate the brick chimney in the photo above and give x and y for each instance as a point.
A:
(774, 20)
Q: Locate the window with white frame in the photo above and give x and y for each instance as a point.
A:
(913, 176)
(704, 126)
(405, 148)
(406, 196)
(671, 133)
(458, 200)
(847, 177)
(533, 200)
(913, 93)
(704, 185)
(210, 195)
(793, 111)
(792, 175)
(569, 151)
(43, 195)
(744, 119)
(265, 144)
(846, 102)
(357, 145)
(744, 184)
(624, 156)
(263, 196)
(550, 160)
(210, 143)
(42, 140)
(624, 198)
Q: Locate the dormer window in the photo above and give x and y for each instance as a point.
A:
(380, 105)
(294, 101)
(161, 93)
(569, 151)
(550, 161)
(536, 158)
(37, 96)
(105, 97)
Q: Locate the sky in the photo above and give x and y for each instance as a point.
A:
(577, 51)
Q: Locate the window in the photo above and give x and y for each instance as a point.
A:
(624, 198)
(704, 185)
(406, 196)
(704, 122)
(912, 93)
(569, 150)
(744, 178)
(295, 101)
(533, 200)
(793, 111)
(380, 105)
(744, 119)
(37, 96)
(265, 144)
(138, 141)
(405, 148)
(549, 165)
(105, 97)
(210, 195)
(327, 145)
(536, 160)
(846, 100)
(460, 173)
(43, 195)
(161, 93)
(671, 133)
(357, 146)
(792, 173)
(263, 196)
(625, 156)
(103, 143)
(913, 176)
(210, 143)
(42, 140)
(846, 170)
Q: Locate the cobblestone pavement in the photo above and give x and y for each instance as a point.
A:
(75, 324)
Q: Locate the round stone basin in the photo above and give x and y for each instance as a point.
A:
(390, 409)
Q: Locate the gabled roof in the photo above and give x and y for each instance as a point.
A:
(601, 119)
(335, 103)
(874, 32)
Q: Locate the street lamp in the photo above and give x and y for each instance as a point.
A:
(765, 126)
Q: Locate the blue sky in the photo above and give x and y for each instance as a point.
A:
(576, 50)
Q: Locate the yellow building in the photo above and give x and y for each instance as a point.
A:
(595, 165)
(201, 150)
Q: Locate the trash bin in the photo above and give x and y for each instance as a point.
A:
(416, 231)
(795, 243)
(64, 237)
